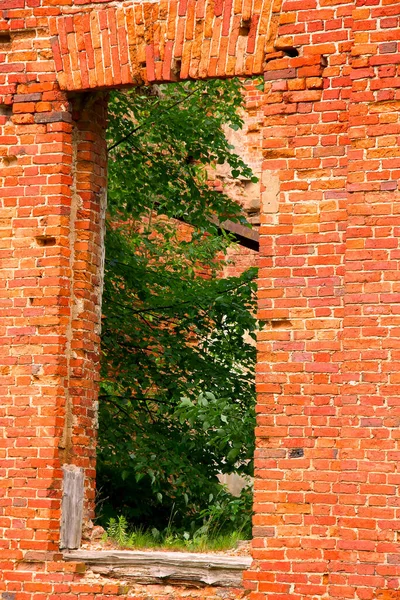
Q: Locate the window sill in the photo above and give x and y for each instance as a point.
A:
(171, 568)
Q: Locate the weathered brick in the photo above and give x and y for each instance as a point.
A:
(35, 97)
(53, 117)
(329, 347)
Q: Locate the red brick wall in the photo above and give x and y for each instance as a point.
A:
(52, 201)
(327, 486)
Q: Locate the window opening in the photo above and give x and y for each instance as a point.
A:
(177, 390)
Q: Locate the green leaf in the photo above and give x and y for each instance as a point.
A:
(176, 344)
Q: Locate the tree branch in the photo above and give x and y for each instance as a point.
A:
(149, 121)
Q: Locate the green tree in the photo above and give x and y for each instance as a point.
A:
(177, 390)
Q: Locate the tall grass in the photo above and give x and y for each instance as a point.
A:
(202, 540)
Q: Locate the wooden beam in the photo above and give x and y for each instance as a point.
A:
(245, 236)
(179, 568)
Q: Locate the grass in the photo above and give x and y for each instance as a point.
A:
(201, 540)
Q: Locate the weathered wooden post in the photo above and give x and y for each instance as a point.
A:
(72, 507)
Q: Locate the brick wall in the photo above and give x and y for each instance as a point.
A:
(52, 204)
(326, 498)
(327, 486)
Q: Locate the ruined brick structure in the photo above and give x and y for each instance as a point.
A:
(327, 481)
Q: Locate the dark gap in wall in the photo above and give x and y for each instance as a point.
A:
(291, 52)
(296, 452)
(5, 110)
(244, 28)
(45, 240)
(176, 68)
(5, 37)
(277, 323)
(8, 160)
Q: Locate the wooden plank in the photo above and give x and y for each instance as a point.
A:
(180, 568)
(72, 507)
(124, 557)
(245, 236)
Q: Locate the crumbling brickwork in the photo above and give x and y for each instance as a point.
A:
(327, 481)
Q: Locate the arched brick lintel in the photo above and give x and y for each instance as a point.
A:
(139, 42)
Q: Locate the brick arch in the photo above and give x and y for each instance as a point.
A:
(131, 43)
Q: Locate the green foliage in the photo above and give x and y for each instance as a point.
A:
(227, 513)
(177, 389)
(226, 521)
(224, 421)
(178, 130)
